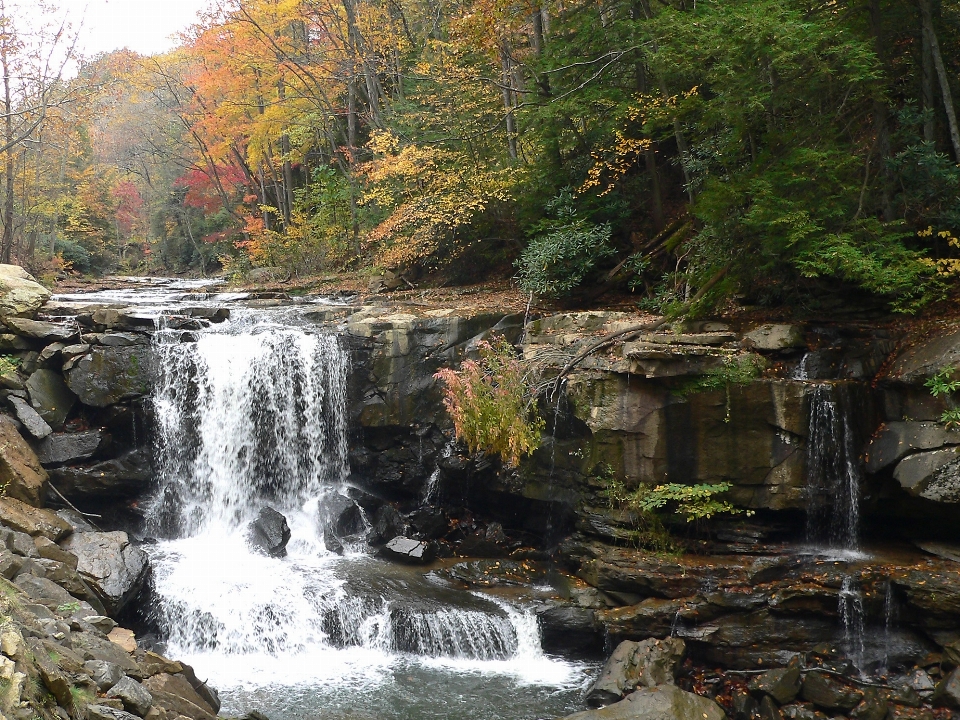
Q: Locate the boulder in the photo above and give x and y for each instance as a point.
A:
(896, 439)
(114, 568)
(828, 693)
(933, 475)
(775, 337)
(97, 647)
(269, 532)
(123, 637)
(387, 524)
(124, 339)
(104, 712)
(340, 516)
(20, 294)
(104, 674)
(49, 550)
(921, 361)
(947, 692)
(632, 665)
(410, 551)
(176, 694)
(664, 702)
(33, 521)
(60, 448)
(768, 709)
(570, 630)
(106, 375)
(134, 696)
(782, 684)
(126, 476)
(50, 396)
(20, 470)
(153, 664)
(872, 707)
(39, 330)
(43, 591)
(30, 418)
(19, 543)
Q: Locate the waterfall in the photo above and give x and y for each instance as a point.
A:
(850, 609)
(243, 420)
(252, 413)
(833, 471)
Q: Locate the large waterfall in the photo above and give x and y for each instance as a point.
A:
(253, 413)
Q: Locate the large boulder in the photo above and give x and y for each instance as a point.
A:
(775, 337)
(176, 695)
(50, 396)
(107, 375)
(896, 439)
(20, 470)
(269, 532)
(933, 475)
(664, 702)
(633, 665)
(926, 358)
(126, 476)
(114, 568)
(828, 693)
(20, 294)
(340, 516)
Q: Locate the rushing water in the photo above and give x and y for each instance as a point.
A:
(252, 413)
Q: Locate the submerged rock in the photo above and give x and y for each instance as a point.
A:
(269, 532)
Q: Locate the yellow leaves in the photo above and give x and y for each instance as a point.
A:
(944, 267)
(614, 163)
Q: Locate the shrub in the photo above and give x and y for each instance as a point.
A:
(491, 403)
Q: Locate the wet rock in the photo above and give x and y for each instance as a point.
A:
(947, 692)
(775, 337)
(33, 521)
(745, 706)
(570, 630)
(207, 694)
(50, 396)
(135, 697)
(20, 470)
(269, 532)
(106, 375)
(75, 520)
(410, 551)
(115, 569)
(126, 476)
(665, 702)
(783, 684)
(429, 523)
(175, 694)
(340, 515)
(387, 524)
(104, 674)
(60, 448)
(153, 664)
(332, 543)
(768, 709)
(828, 693)
(30, 418)
(872, 707)
(920, 680)
(632, 665)
(20, 293)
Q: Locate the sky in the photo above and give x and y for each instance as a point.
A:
(145, 26)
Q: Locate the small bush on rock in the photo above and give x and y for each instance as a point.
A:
(491, 403)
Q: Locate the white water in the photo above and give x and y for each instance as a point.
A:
(253, 414)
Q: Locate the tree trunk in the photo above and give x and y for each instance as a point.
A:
(926, 86)
(507, 86)
(6, 246)
(945, 93)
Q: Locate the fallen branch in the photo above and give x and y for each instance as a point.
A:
(633, 330)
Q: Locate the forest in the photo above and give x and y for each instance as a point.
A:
(773, 151)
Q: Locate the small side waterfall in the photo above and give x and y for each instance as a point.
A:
(834, 472)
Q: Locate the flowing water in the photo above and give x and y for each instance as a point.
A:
(252, 413)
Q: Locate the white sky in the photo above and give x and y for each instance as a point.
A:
(145, 26)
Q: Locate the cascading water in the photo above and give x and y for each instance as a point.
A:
(833, 472)
(253, 413)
